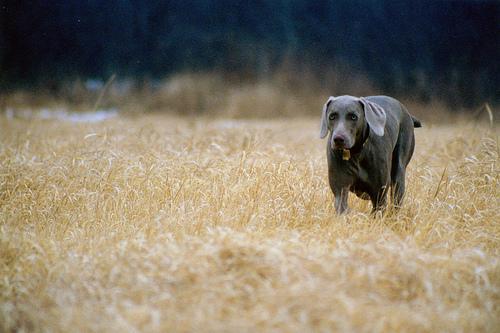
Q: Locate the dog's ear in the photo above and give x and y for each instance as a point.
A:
(374, 115)
(324, 123)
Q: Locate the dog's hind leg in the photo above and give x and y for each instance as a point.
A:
(400, 158)
(398, 186)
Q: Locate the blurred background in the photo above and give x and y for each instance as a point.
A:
(247, 58)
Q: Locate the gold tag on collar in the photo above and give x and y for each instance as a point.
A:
(346, 154)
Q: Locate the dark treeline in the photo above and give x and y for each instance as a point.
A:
(425, 49)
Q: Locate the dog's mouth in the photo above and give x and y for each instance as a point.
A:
(341, 146)
(346, 153)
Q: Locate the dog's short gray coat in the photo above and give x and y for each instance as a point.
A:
(370, 143)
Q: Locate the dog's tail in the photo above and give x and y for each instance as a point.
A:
(416, 122)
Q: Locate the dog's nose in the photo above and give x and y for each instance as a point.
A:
(338, 140)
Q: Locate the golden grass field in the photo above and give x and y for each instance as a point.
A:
(162, 224)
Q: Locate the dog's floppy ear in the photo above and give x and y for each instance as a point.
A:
(324, 124)
(375, 116)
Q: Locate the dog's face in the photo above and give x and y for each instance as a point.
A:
(347, 118)
(346, 121)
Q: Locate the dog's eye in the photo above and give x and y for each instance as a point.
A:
(353, 117)
(332, 116)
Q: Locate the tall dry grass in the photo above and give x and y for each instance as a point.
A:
(286, 92)
(161, 224)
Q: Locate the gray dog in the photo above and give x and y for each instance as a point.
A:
(370, 144)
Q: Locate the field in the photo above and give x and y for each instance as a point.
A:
(168, 224)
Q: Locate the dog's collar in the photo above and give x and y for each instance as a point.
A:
(346, 154)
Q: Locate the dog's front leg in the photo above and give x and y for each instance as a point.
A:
(341, 196)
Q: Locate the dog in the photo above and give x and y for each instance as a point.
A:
(370, 144)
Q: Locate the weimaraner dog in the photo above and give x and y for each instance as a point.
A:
(370, 144)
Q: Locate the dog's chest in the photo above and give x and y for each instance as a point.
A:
(353, 168)
(360, 180)
(360, 170)
(355, 172)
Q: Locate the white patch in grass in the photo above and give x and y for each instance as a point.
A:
(64, 115)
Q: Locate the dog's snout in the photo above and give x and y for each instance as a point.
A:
(339, 140)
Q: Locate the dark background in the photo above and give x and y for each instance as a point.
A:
(446, 50)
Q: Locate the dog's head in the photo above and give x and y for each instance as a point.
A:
(348, 117)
